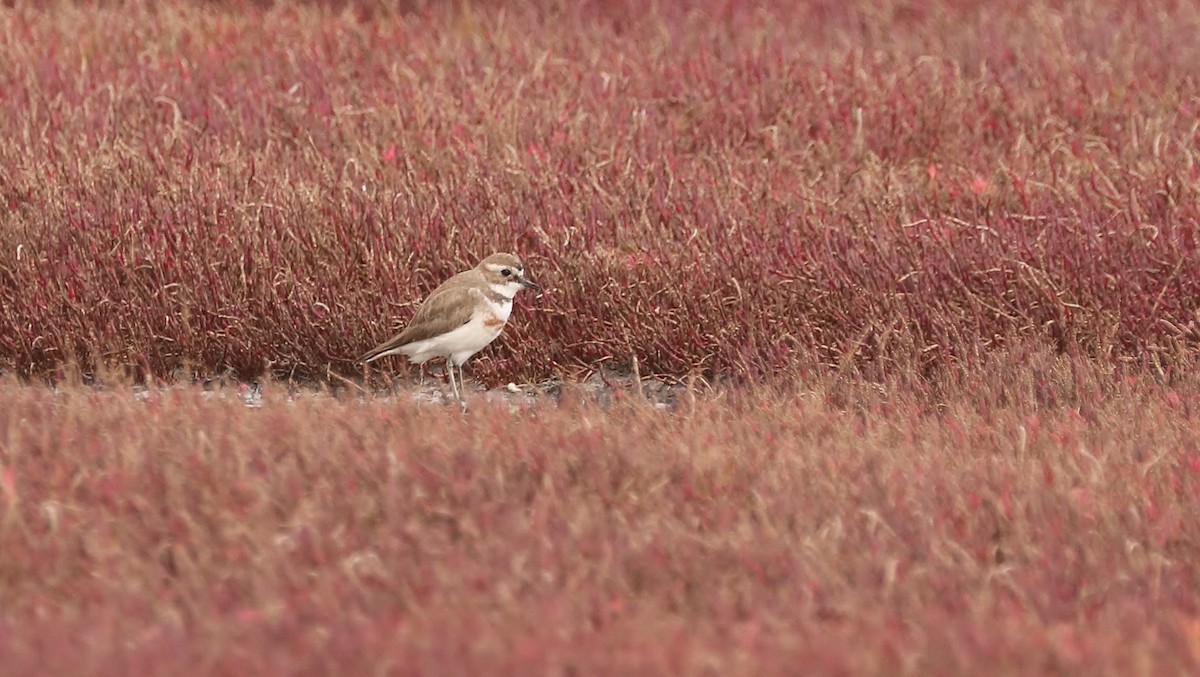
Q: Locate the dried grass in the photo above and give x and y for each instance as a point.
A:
(718, 189)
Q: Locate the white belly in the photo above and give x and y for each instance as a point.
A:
(460, 344)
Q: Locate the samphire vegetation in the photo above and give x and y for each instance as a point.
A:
(931, 270)
(714, 189)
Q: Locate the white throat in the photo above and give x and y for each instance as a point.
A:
(508, 289)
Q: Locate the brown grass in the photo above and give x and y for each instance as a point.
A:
(939, 259)
(731, 190)
(1040, 521)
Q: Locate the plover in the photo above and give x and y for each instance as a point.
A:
(461, 317)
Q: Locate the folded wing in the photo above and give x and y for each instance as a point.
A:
(446, 309)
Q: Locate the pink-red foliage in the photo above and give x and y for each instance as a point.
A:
(731, 188)
(1026, 521)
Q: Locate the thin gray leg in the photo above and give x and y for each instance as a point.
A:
(453, 385)
(462, 384)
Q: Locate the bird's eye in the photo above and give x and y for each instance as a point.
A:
(506, 272)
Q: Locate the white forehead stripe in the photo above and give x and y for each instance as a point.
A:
(500, 266)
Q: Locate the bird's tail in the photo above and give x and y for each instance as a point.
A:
(370, 356)
(391, 347)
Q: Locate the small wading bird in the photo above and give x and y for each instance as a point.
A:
(461, 317)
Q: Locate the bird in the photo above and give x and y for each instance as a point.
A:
(460, 317)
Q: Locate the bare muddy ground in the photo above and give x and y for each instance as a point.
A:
(601, 388)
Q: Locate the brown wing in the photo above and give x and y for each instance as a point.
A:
(449, 307)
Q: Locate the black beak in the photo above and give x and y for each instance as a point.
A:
(529, 283)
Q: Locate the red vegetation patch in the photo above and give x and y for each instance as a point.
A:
(709, 187)
(911, 532)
